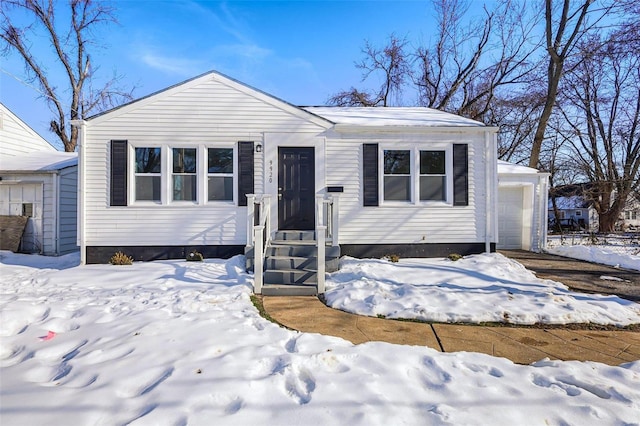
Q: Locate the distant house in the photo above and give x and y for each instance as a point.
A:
(38, 182)
(574, 213)
(183, 169)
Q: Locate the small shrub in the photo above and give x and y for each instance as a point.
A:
(195, 256)
(119, 258)
(394, 258)
(454, 256)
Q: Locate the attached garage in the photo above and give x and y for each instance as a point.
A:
(522, 213)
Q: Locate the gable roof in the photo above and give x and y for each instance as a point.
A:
(17, 136)
(392, 117)
(221, 78)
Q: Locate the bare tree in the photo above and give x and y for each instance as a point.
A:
(390, 64)
(462, 70)
(564, 28)
(77, 98)
(601, 106)
(468, 63)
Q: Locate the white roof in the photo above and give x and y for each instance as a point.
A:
(569, 203)
(40, 161)
(392, 116)
(506, 168)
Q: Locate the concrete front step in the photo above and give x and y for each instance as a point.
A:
(290, 276)
(295, 235)
(294, 262)
(289, 290)
(278, 248)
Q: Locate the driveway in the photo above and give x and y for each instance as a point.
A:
(579, 275)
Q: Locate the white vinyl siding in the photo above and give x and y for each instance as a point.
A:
(405, 223)
(206, 112)
(17, 138)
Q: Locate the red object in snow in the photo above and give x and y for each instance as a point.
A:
(50, 335)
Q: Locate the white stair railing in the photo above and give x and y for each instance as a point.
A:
(326, 230)
(258, 235)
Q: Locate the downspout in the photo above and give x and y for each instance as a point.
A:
(80, 239)
(487, 189)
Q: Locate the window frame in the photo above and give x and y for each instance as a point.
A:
(415, 175)
(233, 174)
(134, 174)
(172, 174)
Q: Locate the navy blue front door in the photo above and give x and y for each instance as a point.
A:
(296, 188)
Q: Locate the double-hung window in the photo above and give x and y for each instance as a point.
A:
(220, 174)
(415, 176)
(397, 175)
(433, 176)
(148, 174)
(185, 175)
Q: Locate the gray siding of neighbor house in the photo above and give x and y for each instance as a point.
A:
(68, 210)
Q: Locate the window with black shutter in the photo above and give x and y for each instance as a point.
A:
(118, 175)
(370, 174)
(460, 175)
(245, 172)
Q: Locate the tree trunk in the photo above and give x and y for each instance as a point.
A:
(607, 221)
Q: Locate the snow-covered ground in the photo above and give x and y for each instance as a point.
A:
(176, 343)
(621, 252)
(481, 288)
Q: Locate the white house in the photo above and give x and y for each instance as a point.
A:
(39, 182)
(185, 168)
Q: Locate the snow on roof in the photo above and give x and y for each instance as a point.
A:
(392, 116)
(505, 167)
(569, 203)
(40, 161)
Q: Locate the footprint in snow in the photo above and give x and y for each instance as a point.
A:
(299, 384)
(52, 351)
(143, 383)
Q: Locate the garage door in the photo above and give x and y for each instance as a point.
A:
(510, 218)
(24, 199)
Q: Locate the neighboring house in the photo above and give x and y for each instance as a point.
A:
(575, 213)
(630, 217)
(522, 213)
(39, 182)
(171, 172)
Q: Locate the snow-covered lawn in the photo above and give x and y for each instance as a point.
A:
(613, 250)
(176, 343)
(481, 288)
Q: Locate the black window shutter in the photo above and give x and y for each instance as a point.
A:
(460, 175)
(370, 174)
(118, 173)
(245, 171)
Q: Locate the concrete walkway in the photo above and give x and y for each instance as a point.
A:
(521, 345)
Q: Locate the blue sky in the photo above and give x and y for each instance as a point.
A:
(300, 51)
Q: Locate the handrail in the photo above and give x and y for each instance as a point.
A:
(258, 236)
(326, 230)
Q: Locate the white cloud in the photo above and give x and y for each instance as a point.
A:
(172, 65)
